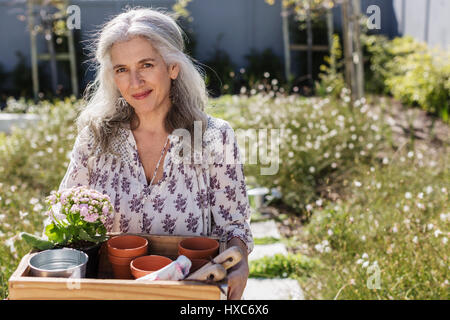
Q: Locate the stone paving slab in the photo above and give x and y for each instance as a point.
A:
(272, 289)
(265, 229)
(260, 251)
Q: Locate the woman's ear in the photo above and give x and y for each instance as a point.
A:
(174, 69)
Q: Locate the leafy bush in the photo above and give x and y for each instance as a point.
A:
(411, 72)
(331, 78)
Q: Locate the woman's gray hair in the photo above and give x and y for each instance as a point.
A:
(106, 110)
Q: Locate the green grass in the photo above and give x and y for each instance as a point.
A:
(295, 266)
(265, 240)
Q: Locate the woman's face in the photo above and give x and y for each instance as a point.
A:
(142, 76)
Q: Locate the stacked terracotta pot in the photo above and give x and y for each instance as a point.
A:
(122, 250)
(200, 250)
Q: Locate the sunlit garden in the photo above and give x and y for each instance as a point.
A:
(362, 186)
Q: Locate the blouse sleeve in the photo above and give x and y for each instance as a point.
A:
(77, 173)
(228, 193)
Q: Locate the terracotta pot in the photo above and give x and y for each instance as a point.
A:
(127, 246)
(197, 264)
(147, 264)
(121, 266)
(198, 248)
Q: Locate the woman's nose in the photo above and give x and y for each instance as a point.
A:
(136, 80)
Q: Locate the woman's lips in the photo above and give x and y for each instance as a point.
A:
(143, 95)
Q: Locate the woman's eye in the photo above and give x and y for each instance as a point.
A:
(120, 70)
(148, 65)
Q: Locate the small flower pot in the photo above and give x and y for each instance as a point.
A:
(92, 265)
(127, 246)
(147, 264)
(121, 267)
(198, 248)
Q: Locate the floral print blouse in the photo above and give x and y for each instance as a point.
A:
(207, 198)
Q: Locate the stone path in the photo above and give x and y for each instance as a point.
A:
(270, 289)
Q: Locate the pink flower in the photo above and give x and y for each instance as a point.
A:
(105, 210)
(84, 211)
(52, 199)
(75, 208)
(91, 217)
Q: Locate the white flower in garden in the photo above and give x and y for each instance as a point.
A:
(319, 202)
(337, 155)
(420, 205)
(2, 216)
(378, 185)
(444, 240)
(326, 155)
(444, 216)
(290, 154)
(350, 146)
(13, 188)
(430, 226)
(357, 184)
(385, 160)
(415, 240)
(410, 154)
(38, 207)
(318, 247)
(359, 261)
(363, 238)
(437, 233)
(312, 169)
(408, 195)
(365, 264)
(266, 74)
(443, 190)
(334, 165)
(22, 214)
(327, 249)
(309, 207)
(33, 201)
(369, 145)
(420, 195)
(243, 90)
(419, 156)
(330, 232)
(429, 189)
(395, 229)
(405, 208)
(365, 256)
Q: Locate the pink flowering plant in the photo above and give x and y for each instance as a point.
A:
(78, 215)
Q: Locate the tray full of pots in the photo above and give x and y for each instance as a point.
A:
(130, 266)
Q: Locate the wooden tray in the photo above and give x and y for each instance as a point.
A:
(25, 287)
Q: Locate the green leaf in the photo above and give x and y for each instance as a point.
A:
(85, 236)
(55, 234)
(36, 242)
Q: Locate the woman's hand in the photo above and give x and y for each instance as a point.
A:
(238, 274)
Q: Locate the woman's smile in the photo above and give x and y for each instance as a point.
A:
(142, 95)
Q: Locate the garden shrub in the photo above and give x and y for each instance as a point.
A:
(411, 72)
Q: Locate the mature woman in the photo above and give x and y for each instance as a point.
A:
(147, 91)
